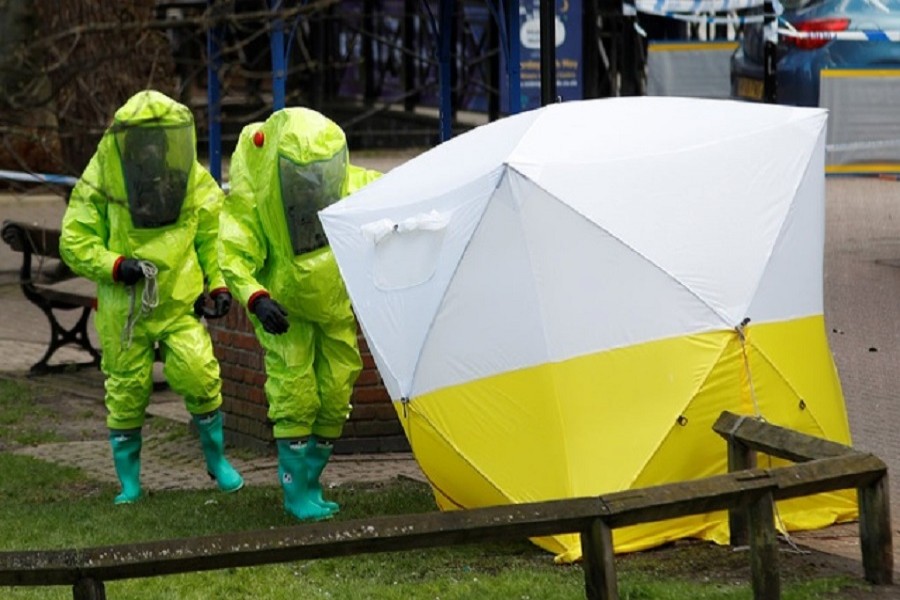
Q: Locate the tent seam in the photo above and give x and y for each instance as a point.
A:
(693, 396)
(553, 371)
(778, 237)
(440, 304)
(628, 246)
(462, 456)
(787, 382)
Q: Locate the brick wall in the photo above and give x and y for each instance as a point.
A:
(373, 424)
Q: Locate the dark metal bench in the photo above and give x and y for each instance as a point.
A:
(40, 287)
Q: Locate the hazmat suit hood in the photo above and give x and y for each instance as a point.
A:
(169, 218)
(154, 138)
(312, 174)
(270, 235)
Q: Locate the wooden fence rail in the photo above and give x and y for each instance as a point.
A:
(748, 494)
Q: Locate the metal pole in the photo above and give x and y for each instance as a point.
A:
(370, 92)
(548, 52)
(279, 68)
(410, 79)
(444, 57)
(213, 94)
(514, 56)
(770, 53)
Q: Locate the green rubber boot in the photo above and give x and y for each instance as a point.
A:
(317, 455)
(294, 475)
(126, 450)
(212, 440)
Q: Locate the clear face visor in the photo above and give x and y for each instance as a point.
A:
(305, 190)
(156, 162)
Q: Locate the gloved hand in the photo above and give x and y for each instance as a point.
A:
(271, 314)
(222, 299)
(222, 304)
(129, 271)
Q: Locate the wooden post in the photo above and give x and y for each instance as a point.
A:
(740, 458)
(89, 589)
(599, 562)
(763, 549)
(875, 532)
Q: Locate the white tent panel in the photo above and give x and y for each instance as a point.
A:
(441, 170)
(540, 283)
(484, 324)
(619, 129)
(792, 285)
(591, 284)
(714, 233)
(395, 318)
(687, 194)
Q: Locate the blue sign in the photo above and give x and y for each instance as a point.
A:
(569, 75)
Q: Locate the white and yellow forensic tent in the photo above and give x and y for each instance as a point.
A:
(563, 301)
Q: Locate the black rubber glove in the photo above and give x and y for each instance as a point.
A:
(271, 314)
(222, 300)
(129, 271)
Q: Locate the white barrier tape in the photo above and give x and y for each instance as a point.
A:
(693, 6)
(37, 177)
(733, 19)
(854, 36)
(862, 145)
(50, 178)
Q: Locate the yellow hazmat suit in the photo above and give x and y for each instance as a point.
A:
(274, 257)
(142, 223)
(312, 367)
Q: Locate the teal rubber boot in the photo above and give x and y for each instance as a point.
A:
(294, 476)
(212, 440)
(126, 450)
(317, 455)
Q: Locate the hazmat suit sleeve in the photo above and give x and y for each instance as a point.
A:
(359, 177)
(210, 199)
(85, 226)
(242, 247)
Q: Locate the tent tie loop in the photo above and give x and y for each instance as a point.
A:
(739, 328)
(742, 336)
(404, 401)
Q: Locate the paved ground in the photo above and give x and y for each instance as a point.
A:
(862, 287)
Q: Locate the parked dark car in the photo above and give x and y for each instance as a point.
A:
(800, 60)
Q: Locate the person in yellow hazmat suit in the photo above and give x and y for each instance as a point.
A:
(275, 259)
(142, 222)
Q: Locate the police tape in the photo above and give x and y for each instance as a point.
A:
(693, 6)
(847, 36)
(53, 179)
(710, 20)
(37, 177)
(870, 145)
(702, 11)
(734, 19)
